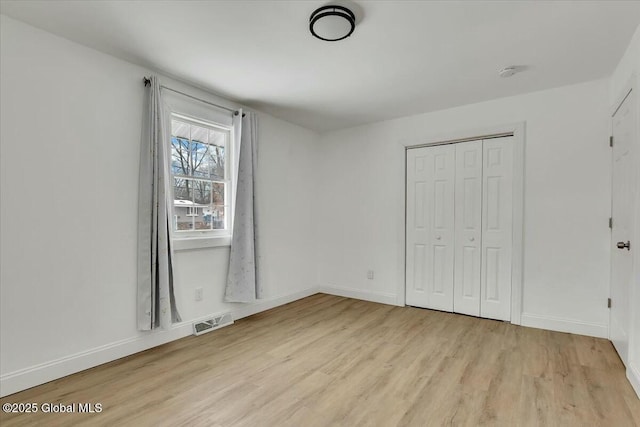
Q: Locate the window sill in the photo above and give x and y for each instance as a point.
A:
(191, 243)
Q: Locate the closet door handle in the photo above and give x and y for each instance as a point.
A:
(471, 239)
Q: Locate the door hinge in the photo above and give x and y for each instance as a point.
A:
(611, 141)
(608, 302)
(610, 222)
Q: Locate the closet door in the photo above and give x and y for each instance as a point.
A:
(416, 229)
(495, 293)
(468, 228)
(430, 227)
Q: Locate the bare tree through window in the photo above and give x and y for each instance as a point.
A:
(198, 157)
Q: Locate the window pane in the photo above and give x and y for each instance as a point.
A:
(180, 129)
(199, 139)
(182, 190)
(201, 201)
(179, 156)
(215, 216)
(219, 208)
(199, 134)
(183, 207)
(201, 192)
(218, 193)
(203, 219)
(200, 159)
(217, 137)
(217, 161)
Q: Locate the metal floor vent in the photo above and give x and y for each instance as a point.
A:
(208, 325)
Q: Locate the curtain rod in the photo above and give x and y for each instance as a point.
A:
(147, 82)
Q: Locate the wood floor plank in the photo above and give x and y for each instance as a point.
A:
(536, 402)
(334, 361)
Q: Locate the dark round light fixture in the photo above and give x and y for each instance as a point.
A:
(332, 23)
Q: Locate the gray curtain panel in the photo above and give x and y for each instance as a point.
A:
(156, 302)
(243, 284)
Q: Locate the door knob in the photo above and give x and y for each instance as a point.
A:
(622, 245)
(471, 239)
(438, 237)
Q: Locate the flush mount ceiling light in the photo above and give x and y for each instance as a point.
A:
(332, 23)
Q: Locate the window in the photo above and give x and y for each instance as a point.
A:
(200, 153)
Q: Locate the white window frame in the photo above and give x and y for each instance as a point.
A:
(201, 239)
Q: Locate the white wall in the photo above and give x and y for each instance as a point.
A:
(71, 120)
(628, 72)
(567, 202)
(70, 124)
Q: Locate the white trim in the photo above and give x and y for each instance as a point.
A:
(633, 370)
(518, 131)
(194, 110)
(267, 304)
(23, 379)
(402, 230)
(631, 333)
(190, 243)
(373, 296)
(559, 324)
(181, 111)
(633, 375)
(517, 263)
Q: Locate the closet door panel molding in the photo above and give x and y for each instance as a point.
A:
(440, 197)
(497, 229)
(430, 227)
(416, 232)
(468, 228)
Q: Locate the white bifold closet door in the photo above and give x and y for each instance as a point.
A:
(430, 227)
(497, 228)
(459, 227)
(468, 228)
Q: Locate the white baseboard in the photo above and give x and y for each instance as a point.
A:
(16, 381)
(268, 304)
(633, 374)
(565, 325)
(373, 296)
(23, 379)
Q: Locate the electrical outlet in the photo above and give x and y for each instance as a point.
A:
(199, 294)
(370, 274)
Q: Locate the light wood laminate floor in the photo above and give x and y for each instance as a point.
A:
(333, 361)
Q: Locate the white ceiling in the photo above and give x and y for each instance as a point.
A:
(404, 58)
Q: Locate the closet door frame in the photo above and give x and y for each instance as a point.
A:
(517, 130)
